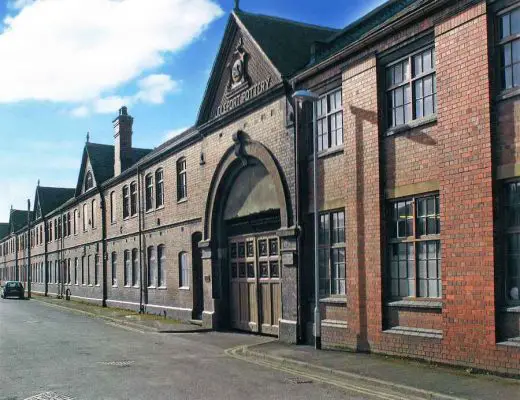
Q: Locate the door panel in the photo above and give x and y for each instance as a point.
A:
(255, 296)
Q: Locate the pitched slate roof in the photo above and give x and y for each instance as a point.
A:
(18, 219)
(102, 159)
(4, 230)
(286, 43)
(51, 198)
(364, 25)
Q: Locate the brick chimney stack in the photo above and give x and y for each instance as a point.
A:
(123, 141)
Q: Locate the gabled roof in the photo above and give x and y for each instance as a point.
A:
(18, 219)
(101, 158)
(363, 26)
(4, 230)
(50, 198)
(286, 43)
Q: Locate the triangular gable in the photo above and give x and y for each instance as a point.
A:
(241, 73)
(85, 169)
(37, 208)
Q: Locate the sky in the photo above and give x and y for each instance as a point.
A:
(69, 65)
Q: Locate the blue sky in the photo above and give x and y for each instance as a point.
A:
(67, 65)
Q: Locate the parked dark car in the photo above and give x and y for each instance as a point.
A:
(12, 289)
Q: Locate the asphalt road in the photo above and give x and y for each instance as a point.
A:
(43, 349)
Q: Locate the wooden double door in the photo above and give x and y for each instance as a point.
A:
(255, 272)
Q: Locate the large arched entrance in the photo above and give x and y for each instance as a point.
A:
(247, 207)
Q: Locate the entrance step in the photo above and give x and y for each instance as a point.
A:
(196, 322)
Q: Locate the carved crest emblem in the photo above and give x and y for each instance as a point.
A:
(238, 77)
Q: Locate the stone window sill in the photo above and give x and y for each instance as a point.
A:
(508, 94)
(334, 300)
(419, 332)
(511, 309)
(328, 152)
(183, 200)
(420, 304)
(184, 288)
(412, 125)
(162, 288)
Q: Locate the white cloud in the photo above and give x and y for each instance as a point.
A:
(174, 132)
(81, 111)
(82, 50)
(152, 89)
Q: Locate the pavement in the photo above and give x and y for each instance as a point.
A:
(73, 350)
(146, 322)
(402, 378)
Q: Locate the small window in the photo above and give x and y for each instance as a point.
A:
(85, 217)
(182, 183)
(89, 182)
(88, 270)
(161, 263)
(96, 269)
(113, 207)
(149, 192)
(159, 188)
(126, 202)
(76, 271)
(114, 269)
(135, 267)
(411, 88)
(133, 199)
(183, 270)
(74, 223)
(93, 213)
(509, 26)
(152, 266)
(128, 268)
(83, 270)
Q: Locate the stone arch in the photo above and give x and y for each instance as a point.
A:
(233, 161)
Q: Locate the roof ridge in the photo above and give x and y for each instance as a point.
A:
(289, 21)
(364, 18)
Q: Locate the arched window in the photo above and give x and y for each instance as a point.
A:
(149, 192)
(85, 217)
(113, 207)
(96, 269)
(128, 268)
(152, 266)
(93, 213)
(182, 182)
(114, 269)
(161, 264)
(133, 198)
(89, 182)
(76, 271)
(135, 267)
(183, 271)
(83, 270)
(126, 202)
(74, 223)
(159, 188)
(88, 270)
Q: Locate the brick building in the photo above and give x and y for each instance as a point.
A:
(418, 191)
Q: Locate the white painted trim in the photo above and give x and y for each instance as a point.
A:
(170, 308)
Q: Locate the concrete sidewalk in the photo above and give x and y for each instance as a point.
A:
(128, 318)
(410, 378)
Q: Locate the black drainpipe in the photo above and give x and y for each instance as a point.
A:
(104, 254)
